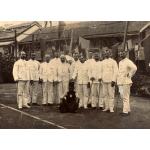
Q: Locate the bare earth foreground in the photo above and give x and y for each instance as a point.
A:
(39, 117)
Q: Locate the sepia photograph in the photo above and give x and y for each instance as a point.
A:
(74, 74)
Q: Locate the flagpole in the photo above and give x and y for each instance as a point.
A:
(71, 42)
(125, 34)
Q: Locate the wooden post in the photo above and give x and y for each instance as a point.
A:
(71, 42)
(16, 44)
(125, 34)
(33, 43)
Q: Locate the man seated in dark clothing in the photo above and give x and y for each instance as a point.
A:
(70, 102)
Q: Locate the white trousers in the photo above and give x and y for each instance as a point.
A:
(83, 95)
(33, 92)
(108, 94)
(22, 93)
(124, 91)
(97, 95)
(47, 92)
(63, 88)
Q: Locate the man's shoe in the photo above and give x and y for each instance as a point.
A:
(35, 104)
(89, 106)
(49, 104)
(26, 106)
(124, 114)
(111, 110)
(20, 108)
(101, 108)
(44, 104)
(93, 107)
(104, 110)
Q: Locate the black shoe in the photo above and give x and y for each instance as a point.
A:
(93, 107)
(35, 104)
(124, 114)
(101, 108)
(89, 106)
(29, 104)
(49, 104)
(44, 104)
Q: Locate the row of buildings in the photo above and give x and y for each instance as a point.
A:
(32, 36)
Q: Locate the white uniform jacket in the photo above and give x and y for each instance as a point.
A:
(109, 70)
(73, 65)
(95, 71)
(126, 70)
(81, 72)
(46, 72)
(55, 61)
(21, 71)
(62, 72)
(33, 67)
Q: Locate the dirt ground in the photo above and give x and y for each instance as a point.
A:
(48, 117)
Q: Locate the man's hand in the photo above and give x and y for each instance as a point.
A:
(128, 75)
(99, 80)
(72, 80)
(40, 81)
(92, 78)
(113, 84)
(88, 85)
(31, 82)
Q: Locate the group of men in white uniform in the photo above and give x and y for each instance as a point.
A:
(94, 79)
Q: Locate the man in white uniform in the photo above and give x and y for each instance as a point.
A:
(47, 79)
(55, 63)
(96, 77)
(109, 77)
(75, 63)
(62, 77)
(33, 66)
(126, 71)
(21, 76)
(81, 74)
(89, 62)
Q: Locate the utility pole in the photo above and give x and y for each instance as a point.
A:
(71, 42)
(33, 43)
(16, 44)
(125, 34)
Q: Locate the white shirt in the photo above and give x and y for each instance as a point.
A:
(109, 70)
(126, 70)
(33, 67)
(95, 71)
(73, 65)
(21, 71)
(55, 61)
(62, 72)
(47, 72)
(81, 72)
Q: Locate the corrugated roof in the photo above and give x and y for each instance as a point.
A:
(88, 29)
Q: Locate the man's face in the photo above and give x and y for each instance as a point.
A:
(82, 59)
(90, 55)
(47, 59)
(122, 54)
(63, 59)
(76, 57)
(33, 56)
(23, 56)
(56, 54)
(106, 54)
(96, 57)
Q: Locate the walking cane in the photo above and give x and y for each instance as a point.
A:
(117, 100)
(99, 94)
(90, 92)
